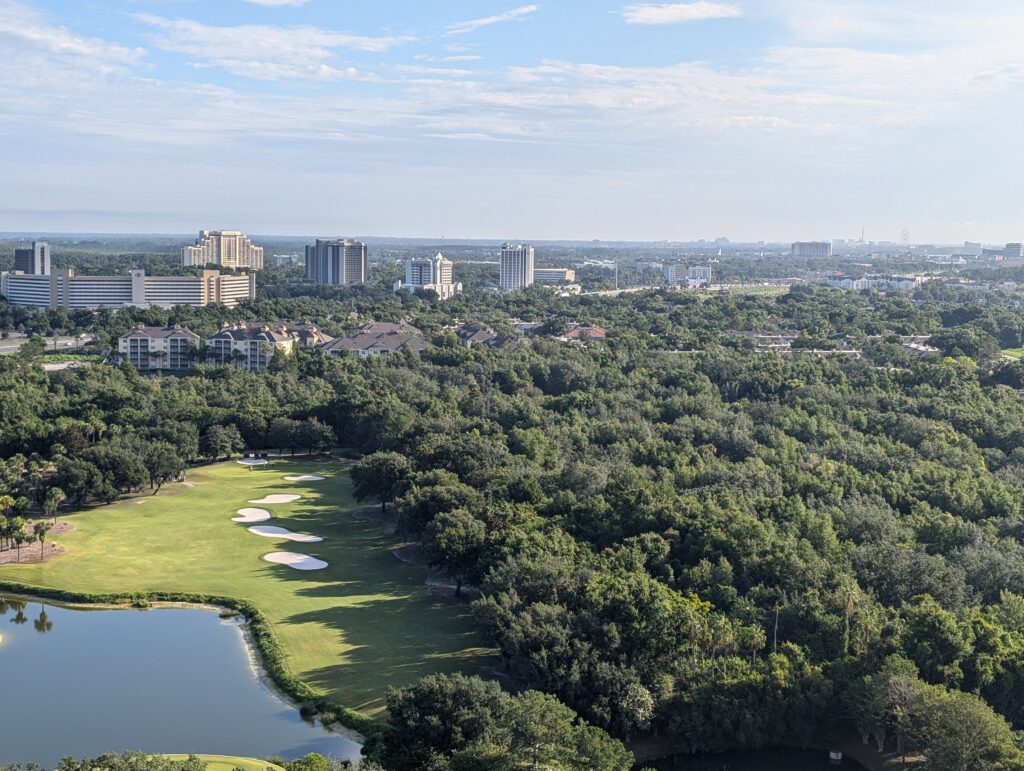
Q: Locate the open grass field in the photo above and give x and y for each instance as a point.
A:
(351, 630)
(1013, 353)
(226, 763)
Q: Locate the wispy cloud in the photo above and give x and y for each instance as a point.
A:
(678, 13)
(24, 24)
(516, 14)
(266, 52)
(277, 3)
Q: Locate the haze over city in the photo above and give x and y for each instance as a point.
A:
(752, 119)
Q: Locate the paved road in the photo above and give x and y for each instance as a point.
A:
(13, 344)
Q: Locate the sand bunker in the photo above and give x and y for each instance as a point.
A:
(253, 461)
(252, 515)
(305, 478)
(288, 535)
(296, 561)
(278, 499)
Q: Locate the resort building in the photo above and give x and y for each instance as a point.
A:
(433, 274)
(160, 348)
(307, 335)
(811, 249)
(554, 275)
(249, 348)
(227, 248)
(62, 288)
(516, 267)
(377, 339)
(337, 263)
(34, 260)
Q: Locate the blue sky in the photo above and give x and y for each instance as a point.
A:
(756, 119)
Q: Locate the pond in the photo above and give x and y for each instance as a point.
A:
(762, 760)
(84, 682)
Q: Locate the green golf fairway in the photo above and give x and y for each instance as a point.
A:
(226, 763)
(364, 623)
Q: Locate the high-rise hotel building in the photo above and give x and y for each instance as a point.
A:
(338, 262)
(227, 248)
(430, 273)
(516, 267)
(33, 261)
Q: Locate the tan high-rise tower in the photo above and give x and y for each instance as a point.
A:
(227, 248)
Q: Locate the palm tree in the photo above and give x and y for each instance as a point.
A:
(17, 533)
(40, 529)
(54, 498)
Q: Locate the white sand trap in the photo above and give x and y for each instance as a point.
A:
(305, 478)
(288, 535)
(252, 515)
(278, 499)
(296, 561)
(253, 461)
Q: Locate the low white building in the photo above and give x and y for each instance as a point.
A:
(64, 289)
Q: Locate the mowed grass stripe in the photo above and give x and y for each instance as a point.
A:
(351, 630)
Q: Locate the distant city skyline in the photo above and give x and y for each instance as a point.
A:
(774, 120)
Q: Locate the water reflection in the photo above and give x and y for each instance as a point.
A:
(42, 624)
(162, 681)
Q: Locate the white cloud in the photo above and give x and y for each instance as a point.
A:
(25, 25)
(265, 52)
(516, 14)
(678, 13)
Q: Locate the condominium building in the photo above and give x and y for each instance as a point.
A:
(377, 339)
(35, 260)
(554, 275)
(812, 249)
(227, 248)
(674, 273)
(699, 275)
(516, 267)
(433, 274)
(337, 262)
(160, 348)
(250, 348)
(62, 288)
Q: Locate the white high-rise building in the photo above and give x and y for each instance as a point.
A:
(227, 248)
(516, 267)
(336, 262)
(430, 273)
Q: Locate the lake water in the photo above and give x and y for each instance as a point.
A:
(82, 683)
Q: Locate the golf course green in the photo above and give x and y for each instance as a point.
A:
(350, 630)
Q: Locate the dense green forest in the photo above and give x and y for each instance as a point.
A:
(679, 538)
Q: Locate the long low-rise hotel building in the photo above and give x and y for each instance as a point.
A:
(64, 289)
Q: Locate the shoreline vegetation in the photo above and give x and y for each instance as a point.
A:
(257, 631)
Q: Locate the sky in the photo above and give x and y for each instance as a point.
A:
(562, 119)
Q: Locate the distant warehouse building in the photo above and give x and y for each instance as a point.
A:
(64, 289)
(812, 249)
(554, 276)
